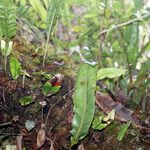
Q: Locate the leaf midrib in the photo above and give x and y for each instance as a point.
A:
(85, 106)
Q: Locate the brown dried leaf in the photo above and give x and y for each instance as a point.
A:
(41, 136)
(106, 103)
(81, 147)
(8, 85)
(15, 118)
(19, 142)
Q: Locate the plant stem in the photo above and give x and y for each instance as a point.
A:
(49, 111)
(23, 80)
(124, 24)
(48, 38)
(5, 63)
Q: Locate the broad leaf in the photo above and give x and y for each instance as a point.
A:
(48, 89)
(123, 130)
(110, 73)
(15, 67)
(24, 101)
(84, 102)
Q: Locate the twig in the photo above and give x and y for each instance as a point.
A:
(124, 24)
(6, 110)
(3, 94)
(50, 111)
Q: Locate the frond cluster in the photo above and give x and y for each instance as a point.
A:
(7, 19)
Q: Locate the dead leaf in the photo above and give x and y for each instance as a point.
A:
(81, 147)
(41, 136)
(19, 142)
(106, 103)
(9, 85)
(15, 118)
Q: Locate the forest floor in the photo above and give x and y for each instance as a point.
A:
(57, 113)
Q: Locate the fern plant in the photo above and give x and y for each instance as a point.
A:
(53, 13)
(7, 27)
(7, 19)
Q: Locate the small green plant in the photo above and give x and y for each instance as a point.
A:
(24, 101)
(6, 49)
(53, 13)
(49, 90)
(123, 130)
(15, 67)
(101, 121)
(84, 100)
(16, 70)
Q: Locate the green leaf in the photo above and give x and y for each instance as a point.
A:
(132, 39)
(97, 123)
(43, 74)
(47, 76)
(15, 67)
(110, 116)
(7, 19)
(101, 122)
(110, 73)
(24, 101)
(48, 89)
(138, 4)
(46, 2)
(39, 8)
(123, 130)
(84, 102)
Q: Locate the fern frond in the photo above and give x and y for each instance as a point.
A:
(7, 19)
(53, 13)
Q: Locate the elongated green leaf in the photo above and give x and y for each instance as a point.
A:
(132, 39)
(39, 8)
(138, 4)
(123, 130)
(110, 73)
(15, 67)
(46, 2)
(84, 102)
